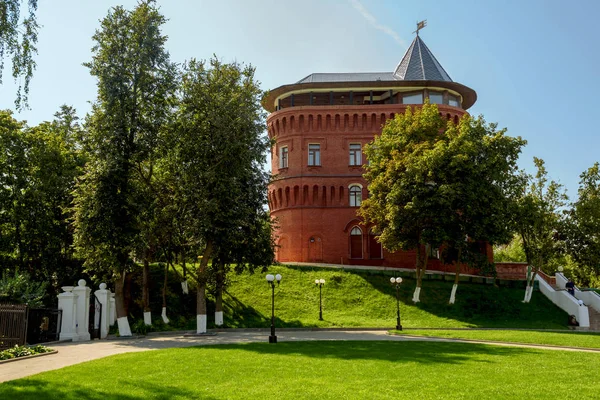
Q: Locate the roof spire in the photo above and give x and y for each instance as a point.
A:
(420, 25)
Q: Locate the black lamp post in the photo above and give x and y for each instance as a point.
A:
(271, 280)
(396, 282)
(320, 283)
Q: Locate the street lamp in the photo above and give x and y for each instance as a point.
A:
(320, 283)
(271, 280)
(396, 282)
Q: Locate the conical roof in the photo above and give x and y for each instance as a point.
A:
(419, 64)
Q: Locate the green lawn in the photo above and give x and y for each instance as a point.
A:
(323, 370)
(352, 299)
(570, 339)
(367, 299)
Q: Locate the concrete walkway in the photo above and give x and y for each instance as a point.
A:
(74, 353)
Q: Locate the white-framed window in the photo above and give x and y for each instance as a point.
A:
(283, 157)
(314, 154)
(355, 154)
(436, 98)
(355, 193)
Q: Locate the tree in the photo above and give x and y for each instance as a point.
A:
(404, 198)
(17, 41)
(511, 252)
(582, 227)
(475, 167)
(38, 168)
(218, 152)
(538, 220)
(436, 184)
(136, 83)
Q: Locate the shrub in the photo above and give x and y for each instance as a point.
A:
(22, 351)
(141, 328)
(20, 289)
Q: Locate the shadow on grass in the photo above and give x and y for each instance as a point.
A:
(477, 304)
(392, 351)
(240, 315)
(35, 389)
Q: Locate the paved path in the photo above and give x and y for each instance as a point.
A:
(74, 353)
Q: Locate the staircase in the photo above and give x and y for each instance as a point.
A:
(594, 319)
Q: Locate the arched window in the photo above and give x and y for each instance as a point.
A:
(356, 250)
(355, 195)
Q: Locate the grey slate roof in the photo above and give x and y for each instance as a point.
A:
(418, 64)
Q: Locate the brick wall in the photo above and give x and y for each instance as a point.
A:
(311, 203)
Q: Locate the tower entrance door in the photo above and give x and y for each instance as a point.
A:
(315, 249)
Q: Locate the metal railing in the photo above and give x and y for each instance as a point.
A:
(13, 325)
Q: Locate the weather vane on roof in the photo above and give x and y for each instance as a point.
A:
(420, 25)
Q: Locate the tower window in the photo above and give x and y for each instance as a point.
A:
(355, 195)
(283, 157)
(453, 101)
(314, 154)
(355, 154)
(436, 98)
(413, 98)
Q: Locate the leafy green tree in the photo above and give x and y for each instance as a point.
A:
(537, 218)
(13, 186)
(18, 38)
(249, 247)
(436, 184)
(38, 168)
(475, 170)
(404, 197)
(19, 288)
(582, 225)
(218, 152)
(136, 82)
(511, 252)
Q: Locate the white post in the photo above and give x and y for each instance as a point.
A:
(103, 296)
(83, 310)
(68, 304)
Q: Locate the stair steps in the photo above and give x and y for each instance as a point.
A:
(594, 319)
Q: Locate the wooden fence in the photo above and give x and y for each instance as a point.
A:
(13, 325)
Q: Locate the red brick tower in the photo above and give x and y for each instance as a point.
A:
(321, 125)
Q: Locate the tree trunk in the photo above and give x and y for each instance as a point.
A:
(184, 283)
(122, 321)
(420, 269)
(146, 290)
(201, 297)
(529, 289)
(456, 279)
(219, 295)
(164, 295)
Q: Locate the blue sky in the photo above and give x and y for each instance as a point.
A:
(533, 64)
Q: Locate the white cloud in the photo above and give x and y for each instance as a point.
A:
(373, 21)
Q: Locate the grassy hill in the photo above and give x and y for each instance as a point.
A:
(361, 299)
